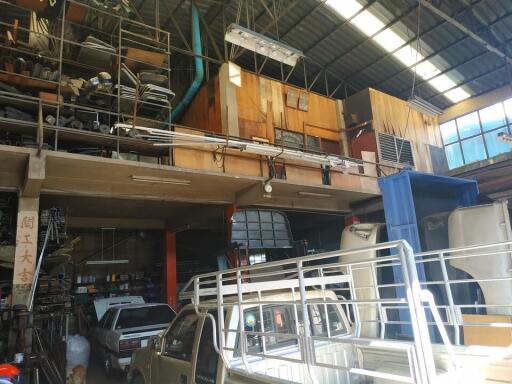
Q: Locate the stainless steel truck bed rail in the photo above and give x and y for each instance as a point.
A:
(325, 273)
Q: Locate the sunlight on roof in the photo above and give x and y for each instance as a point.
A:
(457, 94)
(408, 56)
(391, 42)
(426, 70)
(367, 23)
(346, 8)
(442, 83)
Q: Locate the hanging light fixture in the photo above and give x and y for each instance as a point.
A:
(423, 106)
(263, 45)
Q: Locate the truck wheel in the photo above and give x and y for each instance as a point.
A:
(138, 379)
(107, 365)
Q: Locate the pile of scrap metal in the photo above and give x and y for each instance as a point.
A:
(147, 89)
(40, 69)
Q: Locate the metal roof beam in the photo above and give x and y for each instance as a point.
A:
(440, 52)
(436, 53)
(470, 80)
(465, 30)
(482, 22)
(388, 54)
(338, 27)
(301, 20)
(173, 12)
(369, 38)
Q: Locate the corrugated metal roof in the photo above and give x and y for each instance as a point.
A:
(329, 40)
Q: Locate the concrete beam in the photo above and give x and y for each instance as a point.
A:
(114, 222)
(34, 176)
(256, 196)
(250, 195)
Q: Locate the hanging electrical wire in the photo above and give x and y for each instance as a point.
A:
(413, 86)
(234, 49)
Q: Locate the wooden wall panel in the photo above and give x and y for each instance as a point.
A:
(262, 107)
(392, 115)
(238, 165)
(250, 128)
(321, 132)
(250, 107)
(204, 110)
(305, 175)
(195, 159)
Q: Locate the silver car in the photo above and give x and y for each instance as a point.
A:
(126, 328)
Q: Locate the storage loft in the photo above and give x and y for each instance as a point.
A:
(392, 132)
(367, 126)
(243, 105)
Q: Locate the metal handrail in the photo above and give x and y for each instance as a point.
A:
(331, 276)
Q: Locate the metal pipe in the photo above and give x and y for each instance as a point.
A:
(198, 64)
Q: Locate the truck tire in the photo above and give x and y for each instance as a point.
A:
(138, 379)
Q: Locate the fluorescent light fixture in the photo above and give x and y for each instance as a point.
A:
(161, 180)
(423, 106)
(107, 262)
(262, 45)
(369, 24)
(314, 194)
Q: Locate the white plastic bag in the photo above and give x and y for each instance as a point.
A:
(77, 352)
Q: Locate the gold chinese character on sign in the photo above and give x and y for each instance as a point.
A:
(27, 222)
(25, 275)
(27, 257)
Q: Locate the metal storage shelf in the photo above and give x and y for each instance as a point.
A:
(130, 42)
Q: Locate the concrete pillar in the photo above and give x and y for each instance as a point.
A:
(171, 278)
(25, 254)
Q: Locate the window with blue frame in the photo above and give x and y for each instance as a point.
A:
(474, 137)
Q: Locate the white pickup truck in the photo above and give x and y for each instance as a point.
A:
(283, 322)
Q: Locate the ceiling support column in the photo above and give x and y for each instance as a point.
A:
(27, 227)
(171, 276)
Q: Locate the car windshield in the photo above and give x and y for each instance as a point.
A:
(144, 316)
